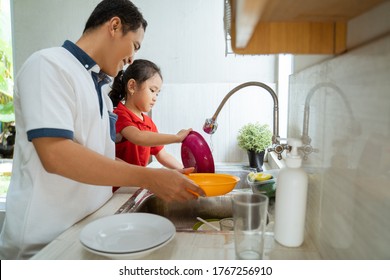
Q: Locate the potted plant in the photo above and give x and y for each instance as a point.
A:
(255, 138)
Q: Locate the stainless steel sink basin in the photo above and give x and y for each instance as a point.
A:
(183, 215)
(240, 173)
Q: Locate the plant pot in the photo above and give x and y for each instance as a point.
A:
(256, 160)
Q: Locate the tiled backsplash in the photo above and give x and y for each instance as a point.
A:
(349, 124)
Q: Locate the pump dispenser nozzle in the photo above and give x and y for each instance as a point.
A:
(293, 159)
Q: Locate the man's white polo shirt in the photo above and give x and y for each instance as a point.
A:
(55, 96)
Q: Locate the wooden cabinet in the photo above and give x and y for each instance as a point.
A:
(293, 26)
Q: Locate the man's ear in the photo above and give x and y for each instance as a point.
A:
(115, 24)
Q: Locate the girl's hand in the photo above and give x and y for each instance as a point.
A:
(187, 170)
(182, 134)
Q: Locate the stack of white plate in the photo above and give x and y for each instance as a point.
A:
(127, 236)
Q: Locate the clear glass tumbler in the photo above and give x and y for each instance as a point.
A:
(250, 220)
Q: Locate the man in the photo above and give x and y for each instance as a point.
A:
(64, 159)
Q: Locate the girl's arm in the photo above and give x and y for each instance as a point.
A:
(167, 160)
(150, 139)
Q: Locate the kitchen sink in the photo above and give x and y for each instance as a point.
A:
(183, 215)
(239, 171)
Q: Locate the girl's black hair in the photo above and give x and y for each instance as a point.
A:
(129, 14)
(140, 70)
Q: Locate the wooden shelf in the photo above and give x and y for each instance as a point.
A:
(296, 27)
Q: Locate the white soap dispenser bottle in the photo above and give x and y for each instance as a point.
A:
(290, 199)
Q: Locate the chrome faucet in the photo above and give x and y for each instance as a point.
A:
(210, 125)
(306, 140)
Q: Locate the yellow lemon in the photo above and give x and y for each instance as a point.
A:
(262, 176)
(252, 176)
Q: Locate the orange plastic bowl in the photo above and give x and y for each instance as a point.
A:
(214, 184)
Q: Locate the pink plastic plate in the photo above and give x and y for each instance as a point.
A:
(196, 153)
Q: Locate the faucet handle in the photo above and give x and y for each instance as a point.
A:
(279, 148)
(307, 149)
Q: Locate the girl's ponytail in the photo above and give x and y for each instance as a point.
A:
(118, 90)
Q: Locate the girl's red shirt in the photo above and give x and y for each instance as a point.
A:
(126, 150)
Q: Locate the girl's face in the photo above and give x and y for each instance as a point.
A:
(145, 94)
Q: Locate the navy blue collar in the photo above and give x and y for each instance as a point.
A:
(81, 55)
(99, 78)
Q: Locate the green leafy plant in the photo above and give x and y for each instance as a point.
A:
(6, 85)
(6, 68)
(7, 112)
(7, 115)
(254, 137)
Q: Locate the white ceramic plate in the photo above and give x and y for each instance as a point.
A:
(130, 256)
(127, 233)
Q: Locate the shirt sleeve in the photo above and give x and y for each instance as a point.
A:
(46, 98)
(124, 120)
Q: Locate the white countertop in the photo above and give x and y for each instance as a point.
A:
(184, 246)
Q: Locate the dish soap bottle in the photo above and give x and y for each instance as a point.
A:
(290, 199)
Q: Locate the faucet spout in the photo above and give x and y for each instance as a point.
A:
(306, 140)
(211, 125)
(305, 132)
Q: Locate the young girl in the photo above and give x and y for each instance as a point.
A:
(137, 135)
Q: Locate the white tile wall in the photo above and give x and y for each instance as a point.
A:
(188, 105)
(349, 191)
